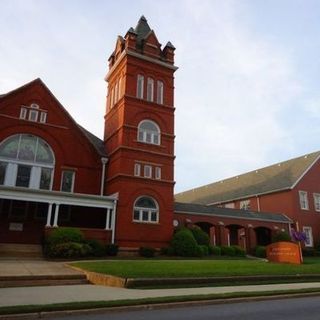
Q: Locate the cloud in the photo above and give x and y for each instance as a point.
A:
(238, 84)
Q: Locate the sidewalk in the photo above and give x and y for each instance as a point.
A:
(81, 293)
(33, 267)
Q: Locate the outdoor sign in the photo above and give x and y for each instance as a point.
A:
(16, 226)
(284, 252)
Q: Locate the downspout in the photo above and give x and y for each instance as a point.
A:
(114, 222)
(258, 203)
(104, 162)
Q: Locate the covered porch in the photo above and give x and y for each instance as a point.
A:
(27, 214)
(227, 227)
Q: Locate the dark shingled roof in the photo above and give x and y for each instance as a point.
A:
(142, 29)
(192, 208)
(95, 141)
(276, 177)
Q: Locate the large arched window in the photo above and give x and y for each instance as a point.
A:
(146, 209)
(148, 132)
(26, 161)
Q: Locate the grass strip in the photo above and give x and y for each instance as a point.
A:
(196, 268)
(147, 301)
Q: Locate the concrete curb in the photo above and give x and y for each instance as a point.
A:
(155, 306)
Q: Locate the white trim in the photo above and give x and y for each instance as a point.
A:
(309, 232)
(303, 200)
(72, 182)
(158, 173)
(137, 169)
(315, 195)
(305, 172)
(150, 89)
(74, 199)
(147, 171)
(113, 221)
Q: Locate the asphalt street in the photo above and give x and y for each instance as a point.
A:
(284, 309)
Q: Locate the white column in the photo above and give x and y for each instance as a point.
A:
(49, 215)
(56, 215)
(107, 219)
(113, 222)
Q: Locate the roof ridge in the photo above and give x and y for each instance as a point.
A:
(278, 176)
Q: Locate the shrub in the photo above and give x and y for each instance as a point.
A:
(239, 252)
(170, 251)
(69, 250)
(164, 251)
(184, 243)
(260, 252)
(65, 235)
(147, 252)
(97, 248)
(214, 250)
(309, 252)
(112, 249)
(281, 236)
(201, 237)
(204, 250)
(228, 251)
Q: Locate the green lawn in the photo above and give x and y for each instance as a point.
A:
(197, 268)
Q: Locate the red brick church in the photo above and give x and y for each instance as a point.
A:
(119, 189)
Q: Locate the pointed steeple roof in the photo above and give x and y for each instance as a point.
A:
(142, 28)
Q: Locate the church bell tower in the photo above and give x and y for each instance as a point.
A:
(139, 137)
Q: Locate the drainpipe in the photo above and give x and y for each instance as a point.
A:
(114, 222)
(104, 162)
(258, 203)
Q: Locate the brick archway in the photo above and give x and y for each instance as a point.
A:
(263, 236)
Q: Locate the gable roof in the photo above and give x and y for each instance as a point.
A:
(96, 143)
(192, 208)
(273, 178)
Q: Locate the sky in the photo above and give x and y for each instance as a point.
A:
(246, 91)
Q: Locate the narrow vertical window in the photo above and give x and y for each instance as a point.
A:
(147, 171)
(160, 92)
(3, 169)
(45, 178)
(67, 181)
(33, 115)
(120, 87)
(116, 92)
(111, 97)
(23, 113)
(23, 176)
(150, 85)
(316, 197)
(303, 198)
(309, 237)
(140, 83)
(158, 173)
(43, 117)
(137, 169)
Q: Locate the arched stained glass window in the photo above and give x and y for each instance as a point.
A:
(26, 161)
